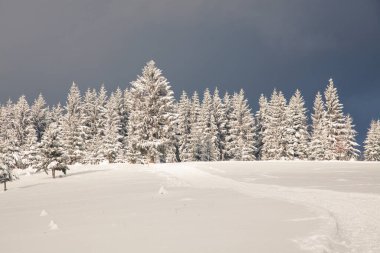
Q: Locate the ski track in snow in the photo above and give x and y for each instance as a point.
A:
(352, 219)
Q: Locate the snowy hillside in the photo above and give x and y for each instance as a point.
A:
(282, 206)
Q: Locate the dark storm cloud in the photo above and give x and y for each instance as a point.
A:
(255, 45)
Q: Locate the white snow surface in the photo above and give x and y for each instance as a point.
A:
(279, 207)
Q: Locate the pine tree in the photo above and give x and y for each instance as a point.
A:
(100, 124)
(39, 116)
(135, 153)
(335, 124)
(126, 111)
(351, 152)
(123, 115)
(219, 113)
(9, 148)
(26, 136)
(89, 120)
(195, 142)
(55, 115)
(318, 143)
(242, 144)
(30, 154)
(8, 145)
(21, 120)
(261, 118)
(274, 133)
(296, 134)
(111, 142)
(227, 102)
(184, 127)
(152, 117)
(52, 147)
(72, 128)
(210, 151)
(372, 142)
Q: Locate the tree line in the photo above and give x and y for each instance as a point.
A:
(144, 123)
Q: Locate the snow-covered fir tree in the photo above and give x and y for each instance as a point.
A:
(56, 120)
(134, 151)
(195, 142)
(274, 128)
(242, 138)
(123, 114)
(89, 122)
(372, 142)
(220, 117)
(111, 143)
(30, 154)
(55, 115)
(335, 124)
(318, 142)
(72, 127)
(228, 107)
(261, 117)
(8, 145)
(209, 150)
(184, 127)
(351, 151)
(21, 120)
(26, 137)
(39, 116)
(152, 117)
(296, 134)
(93, 120)
(52, 147)
(120, 107)
(100, 122)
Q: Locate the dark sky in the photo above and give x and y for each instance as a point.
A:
(255, 45)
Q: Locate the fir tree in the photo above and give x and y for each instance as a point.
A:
(372, 142)
(112, 140)
(351, 152)
(8, 142)
(26, 136)
(219, 113)
(210, 150)
(274, 128)
(335, 124)
(195, 142)
(318, 143)
(55, 115)
(261, 118)
(72, 128)
(39, 116)
(21, 121)
(52, 147)
(242, 136)
(296, 134)
(100, 124)
(89, 121)
(152, 116)
(227, 102)
(123, 115)
(184, 127)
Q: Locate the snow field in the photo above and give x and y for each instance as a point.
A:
(352, 221)
(196, 207)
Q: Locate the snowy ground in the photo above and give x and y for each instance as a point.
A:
(219, 207)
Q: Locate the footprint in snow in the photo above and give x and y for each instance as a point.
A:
(52, 225)
(162, 191)
(43, 213)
